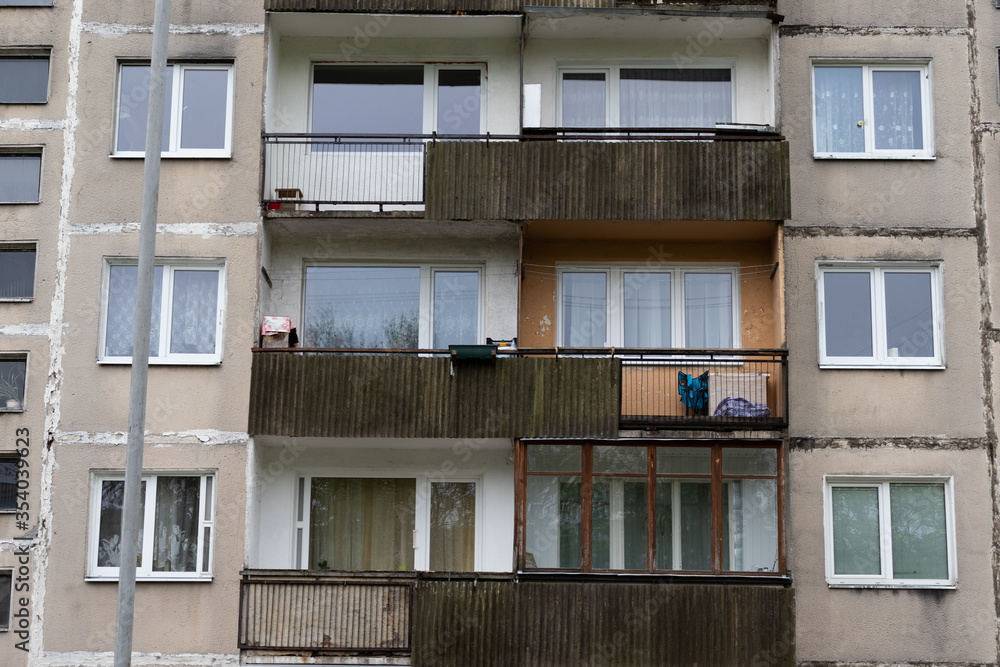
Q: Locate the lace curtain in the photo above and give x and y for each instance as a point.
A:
(647, 310)
(839, 106)
(584, 309)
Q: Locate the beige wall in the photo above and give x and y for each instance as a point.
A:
(870, 626)
(883, 403)
(171, 617)
(864, 13)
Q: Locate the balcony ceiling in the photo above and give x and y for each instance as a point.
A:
(394, 26)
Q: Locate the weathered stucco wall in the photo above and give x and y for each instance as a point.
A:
(877, 626)
(171, 617)
(884, 403)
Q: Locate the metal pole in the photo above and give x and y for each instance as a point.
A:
(131, 516)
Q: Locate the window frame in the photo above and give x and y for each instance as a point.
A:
(718, 479)
(299, 552)
(21, 246)
(612, 118)
(430, 88)
(877, 271)
(203, 573)
(6, 575)
(923, 66)
(31, 53)
(17, 356)
(615, 295)
(425, 312)
(170, 265)
(25, 150)
(25, 3)
(174, 149)
(882, 483)
(14, 460)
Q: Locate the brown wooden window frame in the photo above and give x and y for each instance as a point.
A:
(586, 475)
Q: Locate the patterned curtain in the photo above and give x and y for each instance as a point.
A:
(122, 286)
(839, 106)
(175, 528)
(194, 311)
(898, 116)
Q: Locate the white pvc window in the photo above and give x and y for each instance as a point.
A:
(197, 115)
(390, 523)
(646, 97)
(392, 307)
(176, 536)
(695, 307)
(880, 110)
(398, 99)
(890, 532)
(880, 315)
(188, 312)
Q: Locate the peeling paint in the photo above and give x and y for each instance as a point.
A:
(32, 124)
(871, 30)
(899, 442)
(95, 659)
(795, 231)
(166, 439)
(25, 330)
(120, 30)
(202, 229)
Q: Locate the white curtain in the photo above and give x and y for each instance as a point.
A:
(647, 309)
(675, 97)
(839, 93)
(584, 99)
(898, 116)
(121, 310)
(584, 309)
(194, 312)
(708, 310)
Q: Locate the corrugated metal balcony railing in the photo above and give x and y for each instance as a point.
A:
(503, 6)
(536, 393)
(579, 174)
(474, 619)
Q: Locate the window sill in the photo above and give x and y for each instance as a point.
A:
(885, 585)
(26, 299)
(14, 410)
(870, 156)
(187, 580)
(164, 362)
(20, 203)
(883, 367)
(173, 156)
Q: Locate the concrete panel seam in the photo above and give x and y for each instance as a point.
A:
(32, 124)
(871, 30)
(896, 442)
(25, 330)
(166, 439)
(99, 659)
(202, 229)
(120, 30)
(907, 232)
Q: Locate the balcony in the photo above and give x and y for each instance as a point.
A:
(503, 619)
(524, 393)
(633, 174)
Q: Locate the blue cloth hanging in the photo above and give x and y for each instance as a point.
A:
(693, 390)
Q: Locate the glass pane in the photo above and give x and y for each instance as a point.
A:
(684, 460)
(554, 520)
(195, 311)
(847, 311)
(898, 114)
(620, 459)
(361, 524)
(750, 525)
(362, 306)
(368, 99)
(133, 108)
(453, 526)
(584, 99)
(205, 106)
(12, 373)
(708, 310)
(17, 274)
(664, 525)
(459, 101)
(554, 458)
(456, 308)
(909, 316)
(675, 97)
(24, 79)
(8, 484)
(121, 310)
(584, 309)
(176, 524)
(749, 461)
(619, 523)
(840, 106)
(856, 548)
(695, 525)
(109, 531)
(20, 178)
(919, 531)
(647, 310)
(5, 591)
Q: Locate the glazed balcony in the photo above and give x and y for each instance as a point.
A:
(502, 619)
(520, 393)
(579, 174)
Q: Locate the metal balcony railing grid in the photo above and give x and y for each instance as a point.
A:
(328, 171)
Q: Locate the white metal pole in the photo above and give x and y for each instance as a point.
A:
(131, 515)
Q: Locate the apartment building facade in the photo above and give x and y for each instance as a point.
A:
(626, 334)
